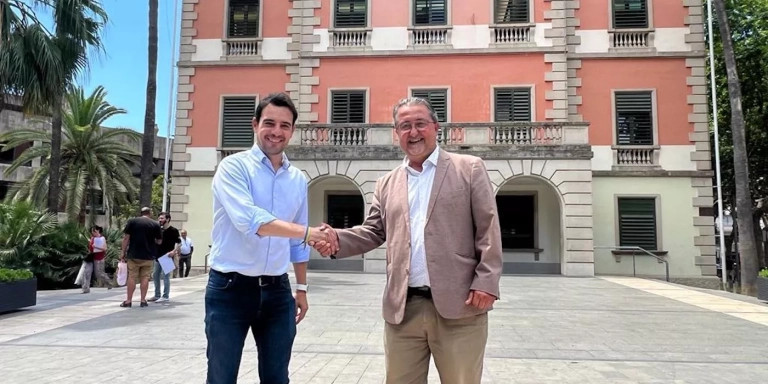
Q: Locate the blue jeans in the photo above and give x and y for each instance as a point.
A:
(156, 273)
(236, 303)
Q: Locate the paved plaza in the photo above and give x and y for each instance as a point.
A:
(543, 330)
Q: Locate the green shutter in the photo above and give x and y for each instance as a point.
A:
(512, 11)
(351, 14)
(439, 100)
(430, 12)
(634, 118)
(630, 14)
(237, 115)
(347, 107)
(637, 223)
(512, 104)
(243, 18)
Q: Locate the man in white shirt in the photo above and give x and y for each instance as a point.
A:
(185, 257)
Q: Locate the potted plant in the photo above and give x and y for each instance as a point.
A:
(18, 288)
(762, 284)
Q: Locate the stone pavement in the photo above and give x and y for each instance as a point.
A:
(543, 330)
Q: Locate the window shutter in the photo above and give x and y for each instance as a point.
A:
(439, 100)
(634, 118)
(512, 11)
(237, 130)
(512, 104)
(347, 107)
(630, 14)
(244, 18)
(637, 223)
(430, 12)
(351, 13)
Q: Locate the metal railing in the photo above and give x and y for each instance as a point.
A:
(634, 250)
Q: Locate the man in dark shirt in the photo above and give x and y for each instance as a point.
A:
(140, 239)
(168, 247)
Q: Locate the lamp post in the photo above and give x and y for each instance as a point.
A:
(171, 107)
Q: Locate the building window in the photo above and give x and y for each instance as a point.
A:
(512, 11)
(628, 14)
(430, 12)
(236, 126)
(345, 211)
(439, 100)
(9, 155)
(5, 187)
(517, 221)
(634, 118)
(637, 222)
(243, 18)
(512, 104)
(351, 14)
(98, 204)
(347, 107)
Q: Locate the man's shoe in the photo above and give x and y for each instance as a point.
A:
(153, 299)
(125, 304)
(163, 300)
(86, 291)
(143, 304)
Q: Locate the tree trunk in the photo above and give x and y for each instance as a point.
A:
(54, 188)
(148, 143)
(747, 246)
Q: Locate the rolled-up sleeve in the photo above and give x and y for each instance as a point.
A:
(299, 250)
(231, 188)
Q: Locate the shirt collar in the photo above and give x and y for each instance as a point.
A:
(432, 159)
(256, 151)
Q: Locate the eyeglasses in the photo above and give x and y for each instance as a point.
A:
(406, 126)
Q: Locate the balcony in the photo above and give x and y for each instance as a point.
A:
(487, 140)
(242, 48)
(429, 36)
(631, 39)
(635, 156)
(350, 38)
(511, 35)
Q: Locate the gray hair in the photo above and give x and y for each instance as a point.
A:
(409, 101)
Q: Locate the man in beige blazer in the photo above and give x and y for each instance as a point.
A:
(437, 213)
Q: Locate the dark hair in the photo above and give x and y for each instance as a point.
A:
(96, 227)
(166, 214)
(278, 100)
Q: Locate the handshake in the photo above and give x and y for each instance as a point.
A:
(323, 239)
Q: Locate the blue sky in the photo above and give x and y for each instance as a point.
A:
(122, 67)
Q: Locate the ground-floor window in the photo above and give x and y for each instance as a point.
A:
(637, 222)
(517, 216)
(345, 211)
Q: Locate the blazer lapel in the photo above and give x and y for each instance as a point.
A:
(442, 169)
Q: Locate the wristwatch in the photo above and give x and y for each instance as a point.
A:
(301, 287)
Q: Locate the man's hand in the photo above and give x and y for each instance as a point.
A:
(301, 305)
(328, 243)
(480, 299)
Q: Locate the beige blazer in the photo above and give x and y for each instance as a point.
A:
(462, 238)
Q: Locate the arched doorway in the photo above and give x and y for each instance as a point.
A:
(335, 200)
(530, 217)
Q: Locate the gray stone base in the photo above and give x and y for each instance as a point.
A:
(336, 265)
(531, 269)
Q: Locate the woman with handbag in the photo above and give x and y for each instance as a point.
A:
(97, 246)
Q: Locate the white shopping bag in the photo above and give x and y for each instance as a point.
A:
(122, 273)
(80, 274)
(166, 263)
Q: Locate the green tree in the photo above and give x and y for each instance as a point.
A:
(748, 25)
(40, 65)
(148, 142)
(94, 160)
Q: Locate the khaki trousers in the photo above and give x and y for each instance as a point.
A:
(458, 346)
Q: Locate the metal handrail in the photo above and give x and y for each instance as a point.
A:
(634, 249)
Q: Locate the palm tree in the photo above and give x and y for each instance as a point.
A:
(148, 143)
(744, 221)
(21, 231)
(40, 65)
(94, 160)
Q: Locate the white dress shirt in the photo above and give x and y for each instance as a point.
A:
(248, 193)
(419, 190)
(186, 246)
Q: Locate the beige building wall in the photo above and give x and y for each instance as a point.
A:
(199, 217)
(675, 225)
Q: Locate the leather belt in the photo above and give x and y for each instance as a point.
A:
(263, 280)
(424, 292)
